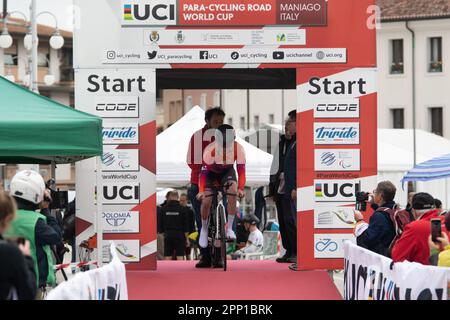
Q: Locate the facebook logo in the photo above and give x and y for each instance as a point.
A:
(203, 55)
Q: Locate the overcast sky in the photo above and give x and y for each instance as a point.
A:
(60, 8)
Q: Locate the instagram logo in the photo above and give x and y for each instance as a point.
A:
(111, 55)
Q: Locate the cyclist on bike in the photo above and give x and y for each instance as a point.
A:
(218, 169)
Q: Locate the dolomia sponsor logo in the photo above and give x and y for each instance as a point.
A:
(120, 222)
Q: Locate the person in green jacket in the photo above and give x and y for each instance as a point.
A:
(40, 229)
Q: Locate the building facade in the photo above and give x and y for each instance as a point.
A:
(427, 24)
(58, 64)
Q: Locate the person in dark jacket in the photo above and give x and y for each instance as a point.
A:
(377, 235)
(281, 194)
(17, 276)
(174, 226)
(190, 216)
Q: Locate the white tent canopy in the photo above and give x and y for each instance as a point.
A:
(395, 158)
(172, 147)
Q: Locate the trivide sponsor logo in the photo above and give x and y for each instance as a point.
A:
(336, 133)
(120, 133)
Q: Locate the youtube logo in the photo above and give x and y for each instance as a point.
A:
(278, 55)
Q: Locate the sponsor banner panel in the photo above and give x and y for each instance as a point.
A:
(337, 160)
(336, 190)
(116, 106)
(223, 12)
(346, 85)
(117, 160)
(339, 108)
(120, 221)
(225, 37)
(336, 133)
(120, 133)
(334, 217)
(128, 251)
(383, 281)
(331, 245)
(234, 56)
(121, 193)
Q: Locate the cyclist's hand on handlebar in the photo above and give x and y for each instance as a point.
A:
(241, 194)
(200, 196)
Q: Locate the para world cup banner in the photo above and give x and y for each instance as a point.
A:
(224, 12)
(370, 276)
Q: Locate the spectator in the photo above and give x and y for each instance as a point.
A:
(290, 168)
(442, 250)
(438, 205)
(190, 216)
(377, 235)
(68, 227)
(214, 118)
(413, 244)
(160, 234)
(255, 241)
(17, 275)
(409, 205)
(174, 226)
(278, 190)
(28, 189)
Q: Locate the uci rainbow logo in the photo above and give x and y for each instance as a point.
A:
(127, 12)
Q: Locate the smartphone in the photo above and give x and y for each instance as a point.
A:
(436, 231)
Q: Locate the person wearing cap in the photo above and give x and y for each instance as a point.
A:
(255, 241)
(413, 244)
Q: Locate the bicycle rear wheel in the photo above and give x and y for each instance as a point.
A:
(222, 236)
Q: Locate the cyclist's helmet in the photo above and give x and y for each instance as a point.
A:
(251, 218)
(225, 135)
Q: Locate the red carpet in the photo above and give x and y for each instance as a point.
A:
(244, 280)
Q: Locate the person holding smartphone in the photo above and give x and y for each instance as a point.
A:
(413, 244)
(17, 276)
(440, 245)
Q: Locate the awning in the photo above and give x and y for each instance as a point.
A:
(35, 129)
(436, 168)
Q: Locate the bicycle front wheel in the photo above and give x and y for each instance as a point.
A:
(222, 236)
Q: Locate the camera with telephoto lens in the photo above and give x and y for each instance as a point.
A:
(361, 201)
(58, 199)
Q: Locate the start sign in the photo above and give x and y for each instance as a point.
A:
(118, 48)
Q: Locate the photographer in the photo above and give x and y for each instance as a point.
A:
(378, 234)
(17, 276)
(40, 229)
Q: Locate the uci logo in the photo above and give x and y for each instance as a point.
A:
(121, 194)
(336, 191)
(154, 13)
